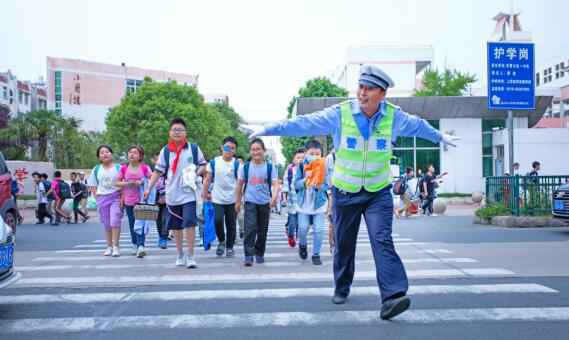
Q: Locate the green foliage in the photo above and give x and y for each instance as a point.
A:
(445, 83)
(490, 211)
(317, 87)
(453, 194)
(143, 117)
(38, 130)
(234, 119)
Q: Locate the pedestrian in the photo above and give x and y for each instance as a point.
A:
(61, 190)
(428, 191)
(103, 185)
(363, 132)
(41, 199)
(222, 173)
(181, 162)
(290, 196)
(85, 197)
(258, 186)
(77, 191)
(516, 167)
(49, 195)
(131, 179)
(311, 184)
(406, 195)
(535, 167)
(162, 219)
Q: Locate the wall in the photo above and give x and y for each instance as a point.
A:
(548, 146)
(463, 163)
(30, 167)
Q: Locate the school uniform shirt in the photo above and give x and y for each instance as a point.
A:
(175, 193)
(40, 193)
(225, 182)
(257, 190)
(105, 181)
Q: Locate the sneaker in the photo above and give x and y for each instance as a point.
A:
(141, 252)
(220, 249)
(248, 261)
(230, 252)
(316, 260)
(191, 262)
(393, 307)
(134, 249)
(116, 252)
(302, 251)
(181, 260)
(108, 251)
(291, 242)
(259, 259)
(85, 219)
(163, 243)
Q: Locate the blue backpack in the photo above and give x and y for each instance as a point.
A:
(212, 165)
(269, 173)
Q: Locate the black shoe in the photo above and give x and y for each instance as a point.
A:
(220, 249)
(85, 219)
(230, 252)
(40, 222)
(316, 260)
(393, 307)
(248, 261)
(302, 252)
(259, 259)
(339, 299)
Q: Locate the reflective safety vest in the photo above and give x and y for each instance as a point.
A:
(360, 163)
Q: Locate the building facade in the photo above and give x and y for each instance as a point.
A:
(18, 96)
(554, 76)
(88, 90)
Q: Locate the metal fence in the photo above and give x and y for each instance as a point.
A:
(523, 195)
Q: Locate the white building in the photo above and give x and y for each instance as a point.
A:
(216, 98)
(404, 64)
(21, 96)
(553, 76)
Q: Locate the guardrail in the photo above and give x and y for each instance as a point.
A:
(523, 195)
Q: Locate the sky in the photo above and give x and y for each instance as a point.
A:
(260, 53)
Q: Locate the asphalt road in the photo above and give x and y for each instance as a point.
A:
(467, 282)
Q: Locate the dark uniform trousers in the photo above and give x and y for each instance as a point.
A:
(377, 209)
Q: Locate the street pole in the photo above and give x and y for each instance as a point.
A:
(510, 126)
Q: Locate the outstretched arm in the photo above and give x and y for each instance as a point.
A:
(325, 122)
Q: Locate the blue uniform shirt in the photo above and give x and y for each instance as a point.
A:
(329, 122)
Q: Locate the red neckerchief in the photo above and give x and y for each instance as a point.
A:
(178, 150)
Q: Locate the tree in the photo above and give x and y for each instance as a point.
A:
(445, 83)
(317, 87)
(234, 120)
(142, 118)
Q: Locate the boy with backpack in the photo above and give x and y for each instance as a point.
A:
(78, 190)
(181, 162)
(222, 173)
(61, 191)
(401, 188)
(258, 180)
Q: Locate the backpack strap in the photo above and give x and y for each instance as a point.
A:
(289, 177)
(212, 165)
(246, 174)
(96, 172)
(166, 154)
(236, 165)
(269, 176)
(122, 171)
(194, 148)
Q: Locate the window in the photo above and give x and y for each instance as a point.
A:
(27, 98)
(417, 153)
(58, 96)
(132, 85)
(11, 97)
(537, 79)
(20, 97)
(488, 126)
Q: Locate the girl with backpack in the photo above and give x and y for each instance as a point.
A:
(257, 182)
(103, 185)
(131, 179)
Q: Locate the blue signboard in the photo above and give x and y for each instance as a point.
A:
(511, 80)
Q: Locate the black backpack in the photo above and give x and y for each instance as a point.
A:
(47, 187)
(64, 189)
(400, 186)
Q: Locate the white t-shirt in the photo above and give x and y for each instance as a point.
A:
(106, 179)
(224, 185)
(40, 193)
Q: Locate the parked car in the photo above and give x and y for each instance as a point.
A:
(560, 206)
(8, 209)
(7, 274)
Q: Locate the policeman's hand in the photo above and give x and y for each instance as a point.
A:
(449, 139)
(252, 131)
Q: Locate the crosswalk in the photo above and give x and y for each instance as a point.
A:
(283, 292)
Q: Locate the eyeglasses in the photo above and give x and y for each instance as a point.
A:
(178, 130)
